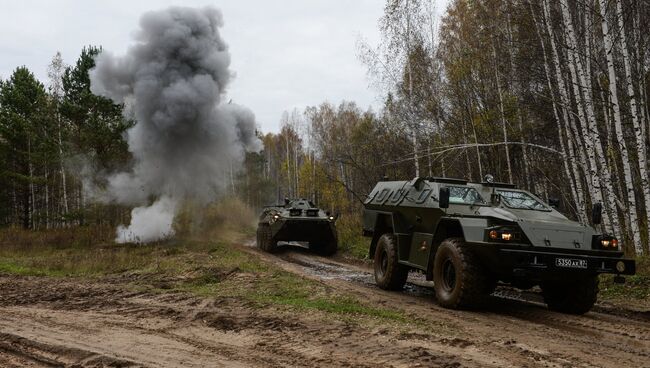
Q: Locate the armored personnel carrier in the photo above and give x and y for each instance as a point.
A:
(468, 236)
(298, 220)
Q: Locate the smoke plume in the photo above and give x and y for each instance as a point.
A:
(185, 141)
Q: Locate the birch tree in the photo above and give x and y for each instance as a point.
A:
(630, 195)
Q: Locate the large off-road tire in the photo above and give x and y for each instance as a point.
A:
(389, 274)
(325, 249)
(459, 278)
(264, 239)
(573, 296)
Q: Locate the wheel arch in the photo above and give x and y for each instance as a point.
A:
(383, 224)
(445, 229)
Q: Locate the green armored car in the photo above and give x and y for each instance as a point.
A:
(298, 220)
(467, 236)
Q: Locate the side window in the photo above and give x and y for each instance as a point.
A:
(397, 196)
(383, 195)
(424, 195)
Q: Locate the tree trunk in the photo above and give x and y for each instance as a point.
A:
(31, 183)
(636, 124)
(503, 115)
(578, 72)
(64, 187)
(627, 170)
(574, 179)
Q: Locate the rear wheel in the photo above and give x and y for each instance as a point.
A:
(264, 239)
(459, 278)
(389, 274)
(575, 296)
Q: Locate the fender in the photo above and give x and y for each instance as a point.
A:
(446, 228)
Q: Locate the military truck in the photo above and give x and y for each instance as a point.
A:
(298, 220)
(468, 236)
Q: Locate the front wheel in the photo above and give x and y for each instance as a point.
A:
(389, 274)
(459, 279)
(573, 296)
(264, 238)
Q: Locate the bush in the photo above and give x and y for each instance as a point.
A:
(351, 240)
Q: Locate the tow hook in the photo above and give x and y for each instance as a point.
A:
(618, 279)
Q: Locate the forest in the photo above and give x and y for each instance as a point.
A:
(549, 95)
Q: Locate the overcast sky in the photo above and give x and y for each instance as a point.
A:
(286, 53)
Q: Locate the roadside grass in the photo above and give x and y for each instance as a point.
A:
(635, 289)
(198, 264)
(351, 242)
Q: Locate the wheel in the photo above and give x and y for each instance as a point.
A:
(264, 239)
(389, 274)
(575, 296)
(326, 249)
(459, 279)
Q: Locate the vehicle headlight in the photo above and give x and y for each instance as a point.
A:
(610, 243)
(607, 242)
(331, 218)
(503, 234)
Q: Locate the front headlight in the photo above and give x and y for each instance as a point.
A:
(503, 234)
(608, 243)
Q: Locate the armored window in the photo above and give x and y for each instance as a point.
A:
(521, 200)
(464, 195)
(424, 195)
(383, 195)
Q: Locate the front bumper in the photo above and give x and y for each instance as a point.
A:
(525, 261)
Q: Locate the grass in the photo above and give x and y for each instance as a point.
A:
(199, 264)
(636, 287)
(351, 241)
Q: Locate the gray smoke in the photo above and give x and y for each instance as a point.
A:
(185, 141)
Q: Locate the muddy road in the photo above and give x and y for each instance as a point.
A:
(47, 322)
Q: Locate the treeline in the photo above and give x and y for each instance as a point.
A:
(47, 138)
(550, 95)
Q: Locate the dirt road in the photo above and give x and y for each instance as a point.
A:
(48, 322)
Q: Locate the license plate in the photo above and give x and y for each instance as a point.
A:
(571, 263)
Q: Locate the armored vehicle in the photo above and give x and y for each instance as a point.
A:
(297, 220)
(468, 236)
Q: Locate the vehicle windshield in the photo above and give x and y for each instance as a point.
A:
(464, 195)
(521, 200)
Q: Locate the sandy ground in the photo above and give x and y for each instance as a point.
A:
(72, 323)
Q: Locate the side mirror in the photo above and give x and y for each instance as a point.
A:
(554, 202)
(443, 197)
(597, 213)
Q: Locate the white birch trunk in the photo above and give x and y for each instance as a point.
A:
(627, 170)
(467, 161)
(478, 152)
(578, 72)
(584, 147)
(636, 125)
(503, 115)
(520, 115)
(64, 187)
(574, 179)
(412, 118)
(31, 184)
(47, 201)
